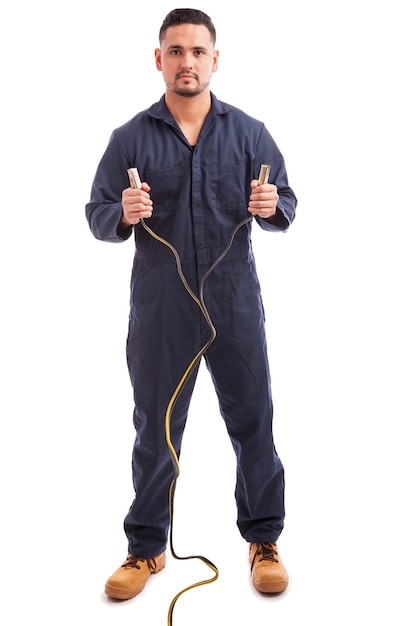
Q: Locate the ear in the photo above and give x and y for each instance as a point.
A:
(158, 59)
(215, 60)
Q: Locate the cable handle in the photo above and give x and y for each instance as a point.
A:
(134, 179)
(264, 174)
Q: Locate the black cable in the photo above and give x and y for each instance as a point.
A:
(136, 183)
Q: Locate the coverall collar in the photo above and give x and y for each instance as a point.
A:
(160, 110)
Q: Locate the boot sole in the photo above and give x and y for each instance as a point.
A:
(271, 587)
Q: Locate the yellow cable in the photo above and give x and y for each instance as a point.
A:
(135, 183)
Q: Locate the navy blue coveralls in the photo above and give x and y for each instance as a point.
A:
(199, 195)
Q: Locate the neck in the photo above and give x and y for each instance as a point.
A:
(188, 110)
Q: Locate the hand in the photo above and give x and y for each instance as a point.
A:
(136, 204)
(263, 199)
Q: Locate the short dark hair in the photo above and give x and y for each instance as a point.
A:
(187, 16)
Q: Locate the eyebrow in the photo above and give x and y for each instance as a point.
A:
(178, 47)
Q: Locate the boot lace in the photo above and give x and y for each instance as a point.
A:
(266, 552)
(133, 561)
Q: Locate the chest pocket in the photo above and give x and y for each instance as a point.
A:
(227, 187)
(166, 188)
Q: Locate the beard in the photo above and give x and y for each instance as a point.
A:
(187, 91)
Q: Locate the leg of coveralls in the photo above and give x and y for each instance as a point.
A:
(164, 336)
(238, 363)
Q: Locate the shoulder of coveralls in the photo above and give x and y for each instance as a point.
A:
(219, 107)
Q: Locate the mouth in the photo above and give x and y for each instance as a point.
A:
(187, 76)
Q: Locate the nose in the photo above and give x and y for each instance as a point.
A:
(187, 60)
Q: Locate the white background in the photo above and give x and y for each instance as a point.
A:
(335, 84)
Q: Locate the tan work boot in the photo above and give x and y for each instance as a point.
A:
(131, 577)
(268, 573)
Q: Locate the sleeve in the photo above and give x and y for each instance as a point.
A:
(104, 210)
(268, 152)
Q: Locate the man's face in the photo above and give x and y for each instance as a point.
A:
(187, 59)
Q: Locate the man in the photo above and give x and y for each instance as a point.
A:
(198, 160)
